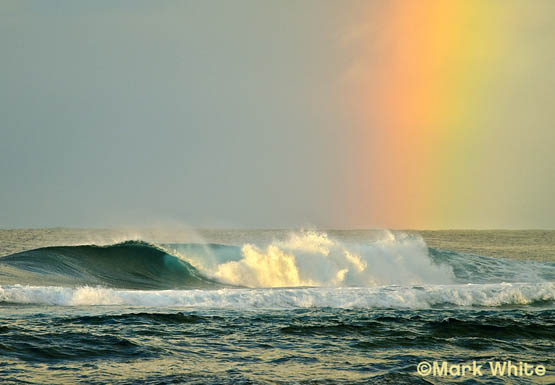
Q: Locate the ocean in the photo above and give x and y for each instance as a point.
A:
(92, 306)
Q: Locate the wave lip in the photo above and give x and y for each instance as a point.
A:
(306, 259)
(129, 265)
(409, 297)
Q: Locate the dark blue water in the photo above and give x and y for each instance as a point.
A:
(312, 346)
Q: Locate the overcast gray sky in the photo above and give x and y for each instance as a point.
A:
(202, 112)
(206, 113)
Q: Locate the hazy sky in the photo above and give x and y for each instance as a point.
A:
(228, 113)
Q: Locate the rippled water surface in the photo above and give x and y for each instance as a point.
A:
(272, 308)
(123, 345)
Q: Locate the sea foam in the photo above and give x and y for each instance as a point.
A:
(311, 258)
(412, 297)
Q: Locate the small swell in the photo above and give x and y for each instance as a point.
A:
(70, 346)
(498, 328)
(142, 318)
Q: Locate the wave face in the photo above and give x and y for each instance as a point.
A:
(130, 265)
(309, 269)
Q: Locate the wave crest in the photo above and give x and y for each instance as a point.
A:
(305, 259)
(313, 259)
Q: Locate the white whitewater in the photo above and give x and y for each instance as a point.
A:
(311, 258)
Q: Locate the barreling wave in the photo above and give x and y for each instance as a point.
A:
(129, 265)
(308, 269)
(305, 259)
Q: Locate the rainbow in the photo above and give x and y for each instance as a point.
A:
(418, 91)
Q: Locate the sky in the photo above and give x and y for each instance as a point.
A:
(269, 114)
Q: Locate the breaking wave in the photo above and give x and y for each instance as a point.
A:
(313, 259)
(307, 269)
(130, 265)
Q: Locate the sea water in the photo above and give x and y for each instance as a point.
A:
(275, 307)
